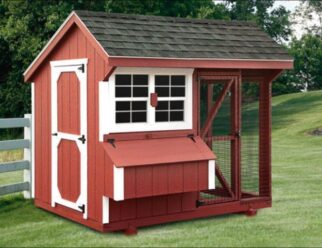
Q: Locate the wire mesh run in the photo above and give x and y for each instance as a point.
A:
(250, 140)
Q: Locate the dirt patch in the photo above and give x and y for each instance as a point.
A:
(316, 132)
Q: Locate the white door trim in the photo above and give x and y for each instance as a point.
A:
(58, 67)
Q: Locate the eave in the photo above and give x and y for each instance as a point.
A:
(199, 63)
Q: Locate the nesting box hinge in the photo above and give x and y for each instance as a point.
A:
(192, 137)
(112, 142)
(82, 68)
(82, 139)
(82, 208)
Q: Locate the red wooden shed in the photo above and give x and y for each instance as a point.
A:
(141, 120)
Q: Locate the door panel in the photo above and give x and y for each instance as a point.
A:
(69, 170)
(68, 103)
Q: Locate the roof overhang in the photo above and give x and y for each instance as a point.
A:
(118, 61)
(199, 63)
(71, 20)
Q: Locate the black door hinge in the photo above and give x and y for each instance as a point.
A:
(82, 207)
(112, 142)
(192, 137)
(82, 68)
(199, 203)
(54, 134)
(82, 139)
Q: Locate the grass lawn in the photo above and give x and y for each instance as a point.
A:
(294, 220)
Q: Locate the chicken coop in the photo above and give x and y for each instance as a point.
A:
(142, 120)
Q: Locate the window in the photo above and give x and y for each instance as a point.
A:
(125, 100)
(131, 96)
(171, 91)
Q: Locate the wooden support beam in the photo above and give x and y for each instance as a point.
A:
(215, 108)
(210, 93)
(223, 182)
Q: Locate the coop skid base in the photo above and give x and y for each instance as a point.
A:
(242, 206)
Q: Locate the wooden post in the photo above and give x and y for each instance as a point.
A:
(265, 139)
(210, 89)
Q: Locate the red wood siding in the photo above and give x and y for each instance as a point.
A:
(145, 181)
(74, 45)
(152, 206)
(68, 92)
(69, 170)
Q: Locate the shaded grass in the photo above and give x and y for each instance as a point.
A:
(294, 220)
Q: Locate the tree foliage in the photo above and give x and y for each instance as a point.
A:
(276, 22)
(307, 53)
(26, 26)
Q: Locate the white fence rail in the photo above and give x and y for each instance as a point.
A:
(26, 164)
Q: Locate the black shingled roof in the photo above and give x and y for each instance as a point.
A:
(171, 37)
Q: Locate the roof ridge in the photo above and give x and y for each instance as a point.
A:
(163, 18)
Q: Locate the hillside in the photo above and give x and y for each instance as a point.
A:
(294, 220)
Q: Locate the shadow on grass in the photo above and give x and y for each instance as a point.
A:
(12, 202)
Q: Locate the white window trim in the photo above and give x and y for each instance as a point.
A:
(107, 103)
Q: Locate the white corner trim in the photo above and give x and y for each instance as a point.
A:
(118, 183)
(211, 174)
(106, 210)
(103, 106)
(33, 136)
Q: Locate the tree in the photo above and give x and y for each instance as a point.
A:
(307, 54)
(308, 17)
(276, 22)
(25, 28)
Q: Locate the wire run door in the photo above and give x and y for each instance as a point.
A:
(220, 129)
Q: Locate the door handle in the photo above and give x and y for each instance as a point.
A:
(154, 99)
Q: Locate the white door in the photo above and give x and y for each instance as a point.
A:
(69, 134)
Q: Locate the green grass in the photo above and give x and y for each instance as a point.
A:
(294, 220)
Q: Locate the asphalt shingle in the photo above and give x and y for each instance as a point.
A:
(171, 37)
